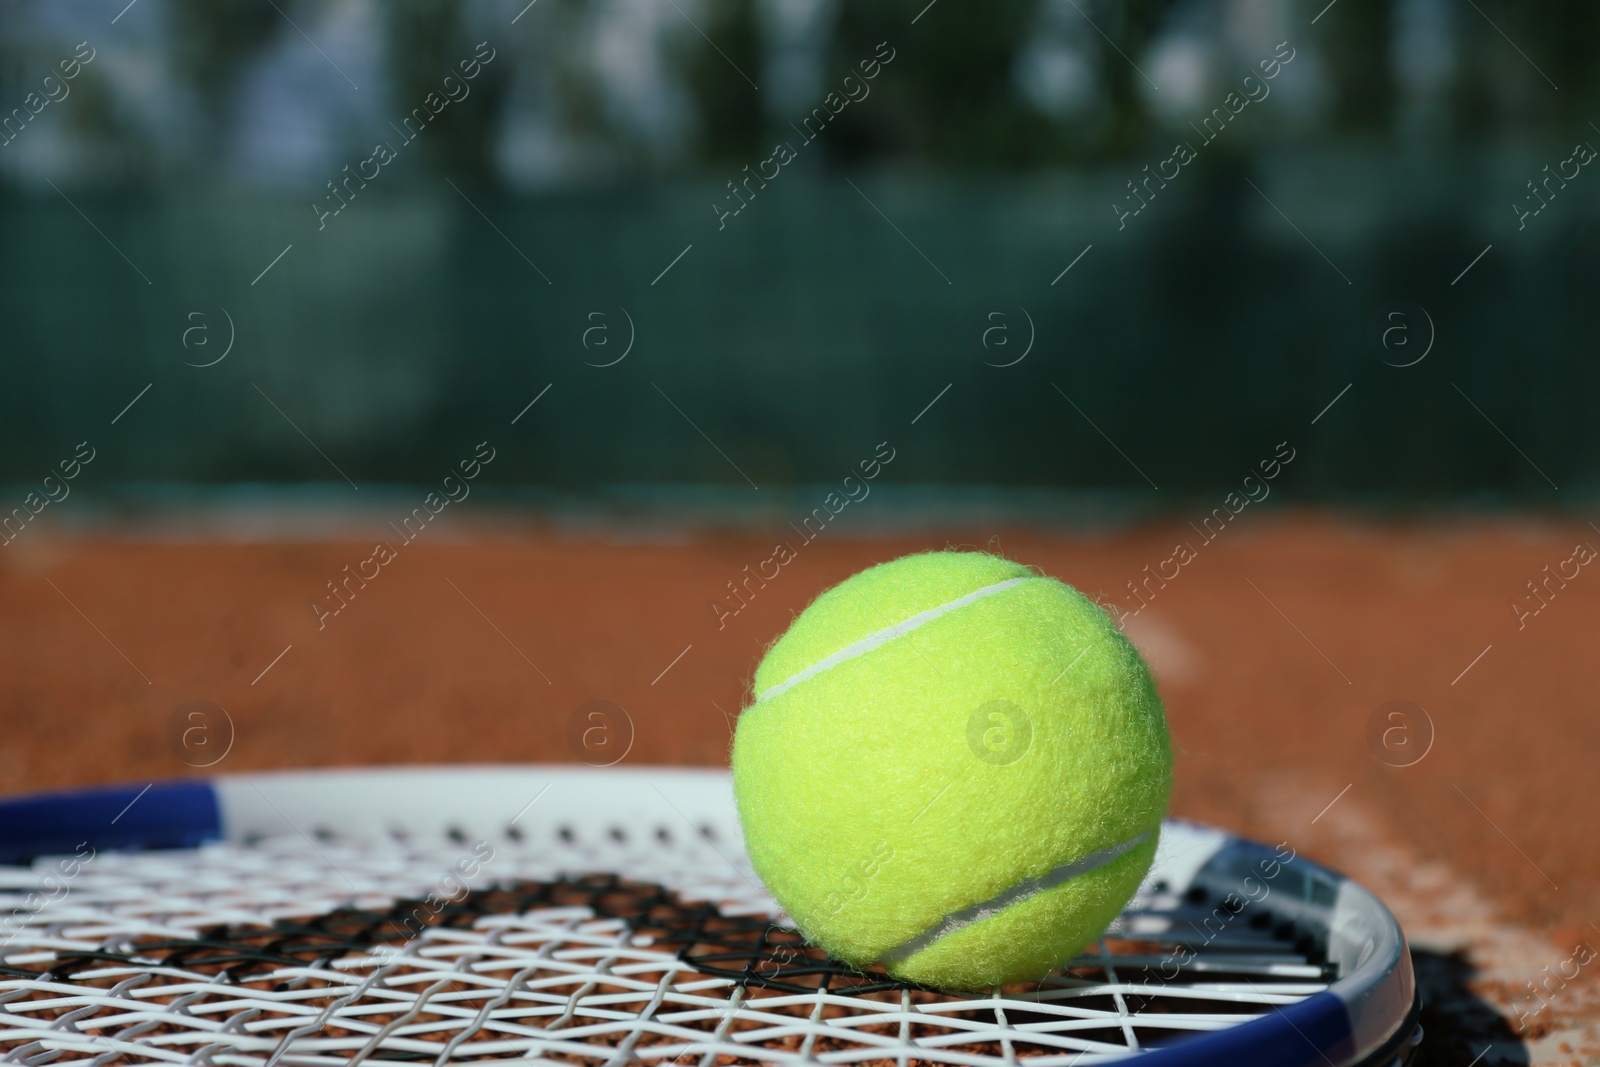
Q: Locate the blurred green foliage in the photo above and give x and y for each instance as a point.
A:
(426, 41)
(216, 41)
(1478, 73)
(948, 96)
(731, 123)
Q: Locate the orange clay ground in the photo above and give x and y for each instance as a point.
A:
(1273, 649)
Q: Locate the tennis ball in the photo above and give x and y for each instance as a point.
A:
(954, 768)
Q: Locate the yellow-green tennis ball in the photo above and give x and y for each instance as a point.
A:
(954, 768)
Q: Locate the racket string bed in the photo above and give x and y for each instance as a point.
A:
(279, 955)
(1117, 998)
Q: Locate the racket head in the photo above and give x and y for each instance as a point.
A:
(598, 916)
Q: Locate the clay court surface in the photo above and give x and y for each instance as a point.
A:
(1273, 648)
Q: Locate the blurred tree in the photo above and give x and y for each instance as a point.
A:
(729, 107)
(213, 42)
(1132, 26)
(948, 96)
(1124, 32)
(1564, 32)
(1511, 88)
(1356, 44)
(427, 40)
(951, 95)
(110, 145)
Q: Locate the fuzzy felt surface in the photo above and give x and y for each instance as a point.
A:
(991, 745)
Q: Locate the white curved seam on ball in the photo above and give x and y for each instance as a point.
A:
(889, 633)
(1023, 890)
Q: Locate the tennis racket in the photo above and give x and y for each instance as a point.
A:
(603, 917)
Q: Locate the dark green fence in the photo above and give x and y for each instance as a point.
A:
(1177, 351)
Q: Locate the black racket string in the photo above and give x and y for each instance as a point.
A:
(747, 950)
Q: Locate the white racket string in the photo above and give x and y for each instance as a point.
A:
(264, 955)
